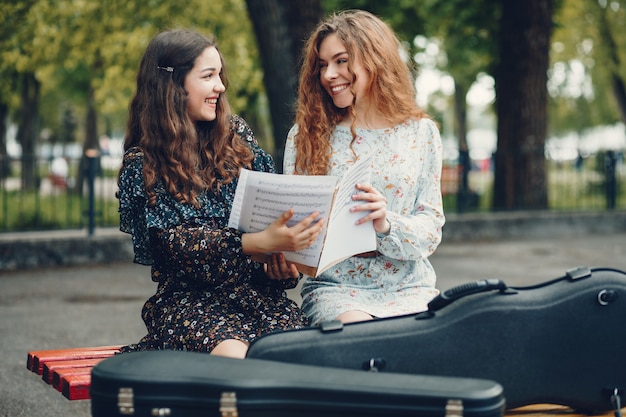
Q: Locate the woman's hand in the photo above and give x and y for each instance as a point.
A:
(300, 236)
(277, 267)
(278, 237)
(374, 203)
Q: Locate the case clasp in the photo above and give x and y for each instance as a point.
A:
(228, 404)
(454, 408)
(125, 401)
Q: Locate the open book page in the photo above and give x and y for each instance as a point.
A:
(261, 197)
(344, 238)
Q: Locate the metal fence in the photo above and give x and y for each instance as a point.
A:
(58, 193)
(79, 193)
(595, 182)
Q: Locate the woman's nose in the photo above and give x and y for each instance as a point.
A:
(331, 72)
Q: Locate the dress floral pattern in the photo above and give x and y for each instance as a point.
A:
(208, 289)
(407, 171)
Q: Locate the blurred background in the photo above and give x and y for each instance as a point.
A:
(530, 96)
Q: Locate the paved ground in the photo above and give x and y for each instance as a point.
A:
(100, 304)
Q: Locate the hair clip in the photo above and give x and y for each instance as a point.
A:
(168, 69)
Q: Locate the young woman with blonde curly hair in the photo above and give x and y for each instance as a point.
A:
(356, 95)
(183, 152)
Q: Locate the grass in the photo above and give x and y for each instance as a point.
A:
(22, 211)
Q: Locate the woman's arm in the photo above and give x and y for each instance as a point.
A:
(407, 213)
(132, 202)
(416, 224)
(208, 254)
(218, 255)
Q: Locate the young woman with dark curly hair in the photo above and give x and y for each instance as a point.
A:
(183, 152)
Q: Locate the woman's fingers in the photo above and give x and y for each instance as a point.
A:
(309, 220)
(313, 230)
(308, 230)
(375, 204)
(292, 238)
(278, 267)
(285, 216)
(369, 193)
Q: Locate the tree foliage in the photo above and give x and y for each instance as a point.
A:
(79, 57)
(588, 56)
(84, 52)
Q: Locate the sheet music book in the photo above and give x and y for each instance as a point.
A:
(261, 197)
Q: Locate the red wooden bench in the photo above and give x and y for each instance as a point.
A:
(69, 370)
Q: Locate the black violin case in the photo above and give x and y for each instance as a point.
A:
(178, 383)
(561, 342)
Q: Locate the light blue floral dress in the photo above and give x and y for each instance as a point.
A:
(407, 171)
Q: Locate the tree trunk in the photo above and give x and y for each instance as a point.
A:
(28, 128)
(521, 105)
(91, 148)
(619, 90)
(463, 196)
(281, 28)
(617, 82)
(5, 163)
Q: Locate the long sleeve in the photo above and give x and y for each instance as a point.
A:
(407, 171)
(212, 255)
(415, 207)
(132, 203)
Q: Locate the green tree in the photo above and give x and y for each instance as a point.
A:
(467, 35)
(11, 15)
(587, 56)
(85, 55)
(611, 17)
(21, 67)
(76, 40)
(509, 39)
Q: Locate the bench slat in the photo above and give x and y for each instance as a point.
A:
(50, 367)
(36, 359)
(76, 387)
(69, 370)
(59, 375)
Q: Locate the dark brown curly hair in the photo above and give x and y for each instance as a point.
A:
(391, 85)
(190, 157)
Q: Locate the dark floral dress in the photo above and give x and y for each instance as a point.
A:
(208, 289)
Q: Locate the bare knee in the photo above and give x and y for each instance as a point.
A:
(354, 316)
(231, 348)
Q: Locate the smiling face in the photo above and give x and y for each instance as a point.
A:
(335, 76)
(203, 85)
